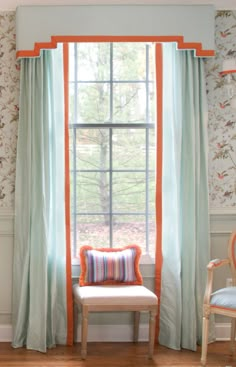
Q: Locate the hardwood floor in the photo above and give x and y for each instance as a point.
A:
(114, 355)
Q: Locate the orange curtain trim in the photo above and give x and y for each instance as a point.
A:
(67, 200)
(64, 39)
(159, 104)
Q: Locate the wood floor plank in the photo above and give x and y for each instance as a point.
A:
(115, 355)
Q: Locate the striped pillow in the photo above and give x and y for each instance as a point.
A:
(110, 266)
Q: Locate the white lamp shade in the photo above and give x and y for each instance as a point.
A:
(229, 66)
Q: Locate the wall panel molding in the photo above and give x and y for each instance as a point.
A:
(5, 333)
(6, 222)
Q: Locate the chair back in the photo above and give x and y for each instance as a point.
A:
(232, 256)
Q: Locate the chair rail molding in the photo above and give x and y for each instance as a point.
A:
(222, 221)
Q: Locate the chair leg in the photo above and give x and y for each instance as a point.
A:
(76, 318)
(233, 329)
(84, 332)
(152, 324)
(136, 325)
(205, 330)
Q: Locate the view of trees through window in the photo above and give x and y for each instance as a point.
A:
(112, 145)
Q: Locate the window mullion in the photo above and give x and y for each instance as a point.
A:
(147, 150)
(111, 190)
(110, 145)
(74, 156)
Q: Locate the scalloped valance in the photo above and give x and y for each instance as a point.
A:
(42, 27)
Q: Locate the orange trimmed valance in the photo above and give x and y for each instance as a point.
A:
(42, 27)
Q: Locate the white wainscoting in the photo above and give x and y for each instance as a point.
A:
(222, 223)
(6, 256)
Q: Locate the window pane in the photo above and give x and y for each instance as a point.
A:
(151, 64)
(152, 108)
(72, 62)
(152, 148)
(129, 61)
(92, 149)
(128, 192)
(129, 229)
(72, 104)
(72, 193)
(129, 150)
(93, 192)
(129, 102)
(152, 168)
(93, 61)
(72, 132)
(93, 103)
(93, 230)
(151, 235)
(151, 191)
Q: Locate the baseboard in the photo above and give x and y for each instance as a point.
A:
(116, 333)
(113, 333)
(5, 333)
(119, 333)
(103, 333)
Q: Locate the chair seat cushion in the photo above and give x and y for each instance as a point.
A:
(114, 295)
(225, 297)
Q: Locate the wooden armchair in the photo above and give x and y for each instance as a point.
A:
(222, 301)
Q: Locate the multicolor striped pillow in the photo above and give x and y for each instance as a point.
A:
(110, 266)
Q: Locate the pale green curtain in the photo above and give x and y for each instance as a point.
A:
(185, 236)
(39, 275)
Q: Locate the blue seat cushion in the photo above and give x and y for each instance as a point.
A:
(225, 297)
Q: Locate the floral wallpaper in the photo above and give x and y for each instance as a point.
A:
(222, 117)
(9, 92)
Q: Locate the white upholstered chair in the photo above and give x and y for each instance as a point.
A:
(222, 301)
(124, 292)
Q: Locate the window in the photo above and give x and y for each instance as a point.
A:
(112, 145)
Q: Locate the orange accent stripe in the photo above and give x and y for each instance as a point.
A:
(67, 200)
(159, 104)
(38, 46)
(233, 249)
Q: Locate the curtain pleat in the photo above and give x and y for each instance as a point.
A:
(185, 221)
(39, 265)
(70, 325)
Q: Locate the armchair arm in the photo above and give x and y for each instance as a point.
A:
(213, 264)
(217, 263)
